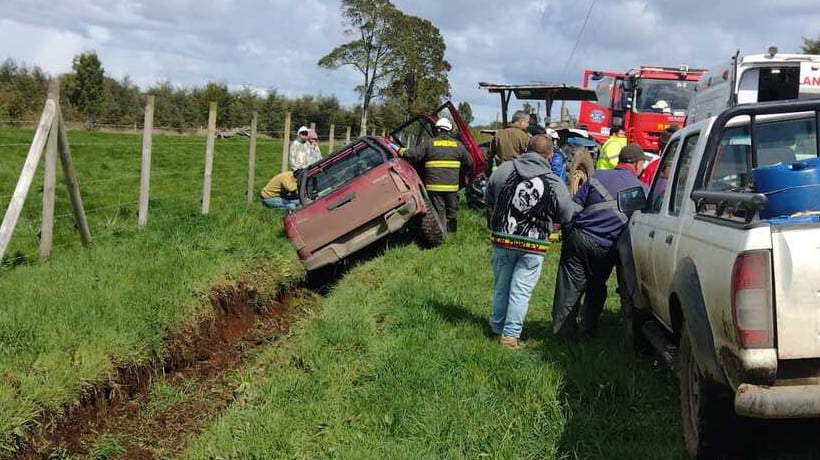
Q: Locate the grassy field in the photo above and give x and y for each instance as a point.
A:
(398, 364)
(66, 325)
(394, 362)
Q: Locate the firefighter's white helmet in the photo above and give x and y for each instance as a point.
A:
(444, 124)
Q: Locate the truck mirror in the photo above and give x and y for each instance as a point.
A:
(631, 199)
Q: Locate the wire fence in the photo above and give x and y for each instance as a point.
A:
(243, 131)
(109, 192)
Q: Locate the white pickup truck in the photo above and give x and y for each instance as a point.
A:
(719, 268)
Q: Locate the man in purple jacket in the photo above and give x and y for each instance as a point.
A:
(588, 248)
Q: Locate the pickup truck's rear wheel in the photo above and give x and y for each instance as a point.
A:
(580, 169)
(709, 422)
(632, 317)
(432, 231)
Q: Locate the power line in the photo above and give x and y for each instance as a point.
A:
(577, 40)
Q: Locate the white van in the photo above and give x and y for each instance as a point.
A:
(754, 78)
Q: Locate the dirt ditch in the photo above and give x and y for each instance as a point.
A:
(148, 412)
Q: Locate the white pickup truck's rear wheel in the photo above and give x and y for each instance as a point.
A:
(633, 318)
(709, 423)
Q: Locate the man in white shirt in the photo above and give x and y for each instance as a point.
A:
(299, 155)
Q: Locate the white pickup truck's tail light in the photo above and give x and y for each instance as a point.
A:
(752, 299)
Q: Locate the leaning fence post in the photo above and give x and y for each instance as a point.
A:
(209, 159)
(145, 170)
(252, 158)
(70, 176)
(286, 142)
(26, 176)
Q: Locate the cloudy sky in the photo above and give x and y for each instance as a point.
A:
(275, 44)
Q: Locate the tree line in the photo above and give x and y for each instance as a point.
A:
(401, 59)
(91, 97)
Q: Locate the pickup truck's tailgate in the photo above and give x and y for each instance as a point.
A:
(796, 254)
(346, 209)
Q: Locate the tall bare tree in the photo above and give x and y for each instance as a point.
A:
(369, 53)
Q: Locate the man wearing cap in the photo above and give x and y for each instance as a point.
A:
(299, 154)
(588, 249)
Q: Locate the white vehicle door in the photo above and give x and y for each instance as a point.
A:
(664, 243)
(643, 226)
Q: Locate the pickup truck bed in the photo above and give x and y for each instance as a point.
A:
(726, 291)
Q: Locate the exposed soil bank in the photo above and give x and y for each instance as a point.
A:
(148, 412)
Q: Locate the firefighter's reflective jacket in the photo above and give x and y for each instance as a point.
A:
(441, 158)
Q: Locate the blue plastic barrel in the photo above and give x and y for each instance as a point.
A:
(790, 187)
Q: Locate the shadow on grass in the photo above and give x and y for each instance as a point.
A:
(324, 279)
(622, 405)
(605, 420)
(631, 409)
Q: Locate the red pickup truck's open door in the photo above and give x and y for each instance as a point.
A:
(414, 131)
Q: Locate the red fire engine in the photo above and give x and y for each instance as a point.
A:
(647, 100)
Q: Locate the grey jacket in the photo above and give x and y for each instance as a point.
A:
(524, 198)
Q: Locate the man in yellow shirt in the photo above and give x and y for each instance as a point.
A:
(608, 158)
(280, 192)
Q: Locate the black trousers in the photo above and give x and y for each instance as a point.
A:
(446, 206)
(583, 270)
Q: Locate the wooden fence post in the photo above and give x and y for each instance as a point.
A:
(70, 176)
(252, 158)
(26, 176)
(286, 143)
(209, 159)
(145, 170)
(330, 137)
(50, 177)
(347, 135)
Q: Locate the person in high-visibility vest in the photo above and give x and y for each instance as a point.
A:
(608, 158)
(442, 159)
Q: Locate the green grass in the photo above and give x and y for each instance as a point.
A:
(398, 364)
(66, 325)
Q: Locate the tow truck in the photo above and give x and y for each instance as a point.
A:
(579, 160)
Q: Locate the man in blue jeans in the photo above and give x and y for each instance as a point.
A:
(280, 192)
(524, 197)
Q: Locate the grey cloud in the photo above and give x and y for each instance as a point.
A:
(275, 44)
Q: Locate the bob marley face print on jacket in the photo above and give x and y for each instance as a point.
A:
(521, 209)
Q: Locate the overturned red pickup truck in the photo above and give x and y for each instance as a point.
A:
(366, 191)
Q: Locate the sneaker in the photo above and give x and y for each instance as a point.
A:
(510, 342)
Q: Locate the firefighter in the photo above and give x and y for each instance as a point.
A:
(441, 160)
(608, 157)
